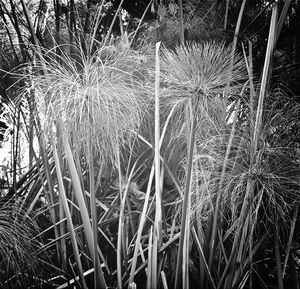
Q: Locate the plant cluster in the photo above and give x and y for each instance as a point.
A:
(158, 166)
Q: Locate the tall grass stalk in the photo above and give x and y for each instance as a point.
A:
(157, 230)
(265, 76)
(137, 243)
(282, 18)
(95, 26)
(140, 23)
(278, 258)
(183, 255)
(238, 25)
(226, 14)
(94, 219)
(61, 251)
(150, 284)
(249, 65)
(290, 239)
(203, 258)
(83, 208)
(217, 209)
(181, 22)
(121, 241)
(67, 211)
(108, 34)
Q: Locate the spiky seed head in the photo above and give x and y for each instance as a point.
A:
(200, 70)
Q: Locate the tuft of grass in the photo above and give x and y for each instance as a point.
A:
(18, 252)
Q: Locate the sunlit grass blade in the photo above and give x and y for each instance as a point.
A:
(157, 230)
(164, 280)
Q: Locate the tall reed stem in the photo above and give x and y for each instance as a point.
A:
(181, 23)
(265, 76)
(64, 200)
(186, 198)
(157, 232)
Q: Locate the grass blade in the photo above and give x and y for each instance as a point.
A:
(186, 199)
(67, 211)
(202, 256)
(82, 205)
(289, 243)
(181, 23)
(265, 76)
(90, 157)
(157, 230)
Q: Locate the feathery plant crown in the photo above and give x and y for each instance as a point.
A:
(92, 95)
(205, 68)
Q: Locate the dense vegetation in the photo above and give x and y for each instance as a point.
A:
(153, 144)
